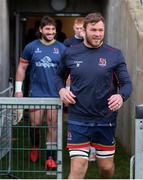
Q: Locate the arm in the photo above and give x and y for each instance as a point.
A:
(125, 86)
(67, 97)
(20, 75)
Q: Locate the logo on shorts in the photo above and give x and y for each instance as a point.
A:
(102, 62)
(69, 135)
(113, 141)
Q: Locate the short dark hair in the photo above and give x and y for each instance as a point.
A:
(46, 20)
(93, 18)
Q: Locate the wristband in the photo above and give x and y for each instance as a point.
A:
(18, 86)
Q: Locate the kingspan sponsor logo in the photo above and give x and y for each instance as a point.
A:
(46, 62)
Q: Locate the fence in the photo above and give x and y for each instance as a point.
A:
(136, 162)
(15, 143)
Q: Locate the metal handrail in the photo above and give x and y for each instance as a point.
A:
(132, 163)
(5, 90)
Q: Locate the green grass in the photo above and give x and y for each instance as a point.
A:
(20, 158)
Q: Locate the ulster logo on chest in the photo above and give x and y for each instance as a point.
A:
(102, 62)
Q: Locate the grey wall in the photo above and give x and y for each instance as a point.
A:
(4, 45)
(125, 31)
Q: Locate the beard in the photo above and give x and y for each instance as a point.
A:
(93, 43)
(44, 36)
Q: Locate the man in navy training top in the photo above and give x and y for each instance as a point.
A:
(78, 33)
(76, 39)
(100, 83)
(42, 56)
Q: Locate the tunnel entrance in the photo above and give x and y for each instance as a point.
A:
(25, 14)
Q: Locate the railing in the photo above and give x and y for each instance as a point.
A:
(136, 162)
(8, 90)
(15, 139)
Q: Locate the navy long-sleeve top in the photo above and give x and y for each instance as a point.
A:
(96, 74)
(72, 41)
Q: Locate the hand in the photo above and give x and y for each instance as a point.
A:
(18, 94)
(67, 97)
(115, 102)
(17, 113)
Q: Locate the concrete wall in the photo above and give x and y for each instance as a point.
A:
(38, 6)
(125, 31)
(4, 45)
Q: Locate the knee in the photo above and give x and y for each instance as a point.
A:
(107, 170)
(79, 169)
(82, 166)
(35, 122)
(52, 122)
(107, 167)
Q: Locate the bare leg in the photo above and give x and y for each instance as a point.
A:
(36, 119)
(106, 167)
(78, 168)
(51, 136)
(52, 124)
